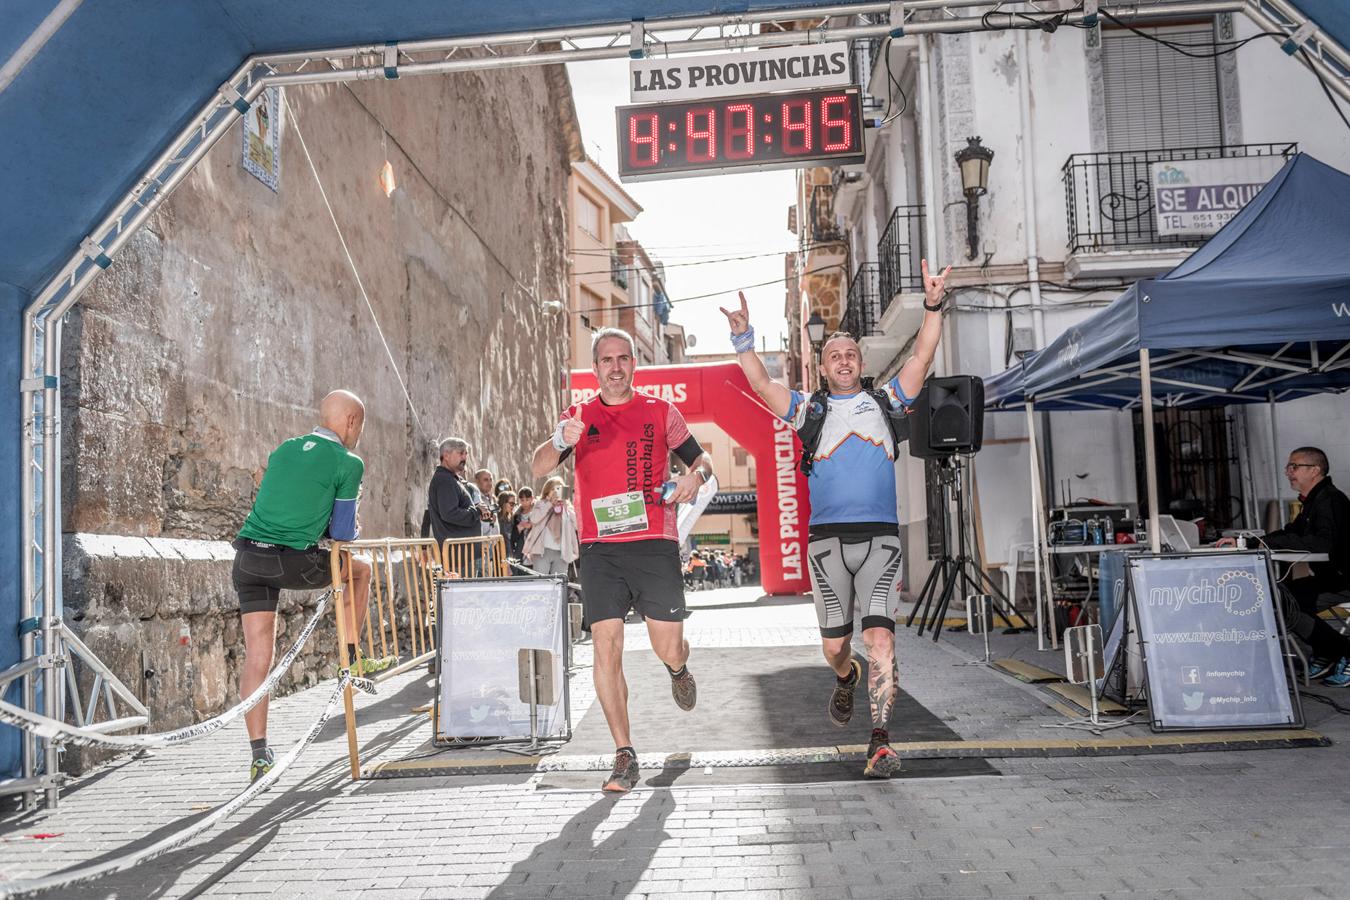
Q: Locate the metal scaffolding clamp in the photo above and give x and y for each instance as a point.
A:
(637, 40)
(391, 60)
(38, 383)
(1296, 40)
(1089, 13)
(94, 251)
(232, 96)
(897, 18)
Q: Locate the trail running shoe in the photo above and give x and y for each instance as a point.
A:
(841, 701)
(1319, 667)
(882, 761)
(683, 688)
(1340, 674)
(625, 775)
(261, 766)
(365, 667)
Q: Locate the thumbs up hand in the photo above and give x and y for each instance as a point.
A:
(572, 429)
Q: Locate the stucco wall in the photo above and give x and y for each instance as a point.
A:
(234, 311)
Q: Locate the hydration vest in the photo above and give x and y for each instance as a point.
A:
(818, 406)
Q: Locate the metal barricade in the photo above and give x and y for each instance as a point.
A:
(400, 619)
(398, 623)
(483, 557)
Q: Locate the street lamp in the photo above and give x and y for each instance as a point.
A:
(815, 332)
(974, 159)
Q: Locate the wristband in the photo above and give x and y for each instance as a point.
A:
(558, 443)
(745, 341)
(937, 308)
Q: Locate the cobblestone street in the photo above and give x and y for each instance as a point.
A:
(1252, 824)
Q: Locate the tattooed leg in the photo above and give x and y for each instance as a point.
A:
(881, 673)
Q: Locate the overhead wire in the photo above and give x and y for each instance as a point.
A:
(356, 274)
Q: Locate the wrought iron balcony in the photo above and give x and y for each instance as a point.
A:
(898, 253)
(1109, 196)
(824, 226)
(862, 315)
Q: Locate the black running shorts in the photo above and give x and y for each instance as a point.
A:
(643, 575)
(261, 571)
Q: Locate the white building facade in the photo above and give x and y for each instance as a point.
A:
(1075, 118)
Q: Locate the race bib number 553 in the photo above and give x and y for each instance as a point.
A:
(619, 514)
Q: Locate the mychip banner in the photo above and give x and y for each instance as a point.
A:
(1211, 637)
(483, 625)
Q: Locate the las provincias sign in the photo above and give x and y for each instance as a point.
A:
(802, 67)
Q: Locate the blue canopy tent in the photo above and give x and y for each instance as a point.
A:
(107, 106)
(1259, 314)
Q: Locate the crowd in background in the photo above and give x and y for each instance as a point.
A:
(539, 530)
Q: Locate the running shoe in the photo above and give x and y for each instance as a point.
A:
(365, 667)
(882, 761)
(1340, 673)
(625, 775)
(1319, 667)
(261, 766)
(683, 688)
(841, 701)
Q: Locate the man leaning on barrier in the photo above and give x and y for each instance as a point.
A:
(310, 491)
(630, 556)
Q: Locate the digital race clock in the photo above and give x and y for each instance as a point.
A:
(766, 131)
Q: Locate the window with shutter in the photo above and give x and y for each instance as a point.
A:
(1157, 98)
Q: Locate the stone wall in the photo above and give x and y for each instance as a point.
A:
(226, 319)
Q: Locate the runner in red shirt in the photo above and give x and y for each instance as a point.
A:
(630, 555)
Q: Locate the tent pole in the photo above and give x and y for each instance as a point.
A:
(1150, 451)
(1036, 536)
(1275, 460)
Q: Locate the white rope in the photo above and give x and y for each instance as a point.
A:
(52, 729)
(179, 838)
(352, 264)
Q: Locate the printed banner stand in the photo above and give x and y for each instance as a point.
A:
(1211, 632)
(487, 628)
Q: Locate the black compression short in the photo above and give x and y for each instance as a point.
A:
(261, 571)
(643, 575)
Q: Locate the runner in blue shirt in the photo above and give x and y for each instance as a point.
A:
(854, 532)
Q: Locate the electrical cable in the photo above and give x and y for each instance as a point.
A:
(744, 287)
(1331, 98)
(295, 122)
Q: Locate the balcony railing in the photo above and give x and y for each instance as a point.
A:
(899, 251)
(1109, 196)
(824, 226)
(618, 272)
(862, 56)
(862, 315)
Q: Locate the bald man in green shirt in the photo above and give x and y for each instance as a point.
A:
(310, 491)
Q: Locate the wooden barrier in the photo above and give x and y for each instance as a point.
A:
(459, 556)
(400, 620)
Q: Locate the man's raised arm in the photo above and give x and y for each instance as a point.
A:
(553, 451)
(915, 370)
(777, 397)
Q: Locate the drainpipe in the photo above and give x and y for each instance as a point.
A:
(927, 140)
(1022, 48)
(1029, 188)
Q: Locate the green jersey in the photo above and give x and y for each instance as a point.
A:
(310, 489)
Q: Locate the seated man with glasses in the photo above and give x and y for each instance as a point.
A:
(1322, 526)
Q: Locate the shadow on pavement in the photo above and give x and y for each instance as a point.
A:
(613, 865)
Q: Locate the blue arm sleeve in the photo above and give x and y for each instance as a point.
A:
(342, 526)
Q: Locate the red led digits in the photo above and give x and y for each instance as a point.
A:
(643, 149)
(707, 135)
(797, 126)
(834, 122)
(740, 138)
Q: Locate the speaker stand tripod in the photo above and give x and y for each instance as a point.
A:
(951, 573)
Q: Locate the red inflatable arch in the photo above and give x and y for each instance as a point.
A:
(719, 393)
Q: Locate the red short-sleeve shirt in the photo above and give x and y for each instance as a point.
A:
(626, 449)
